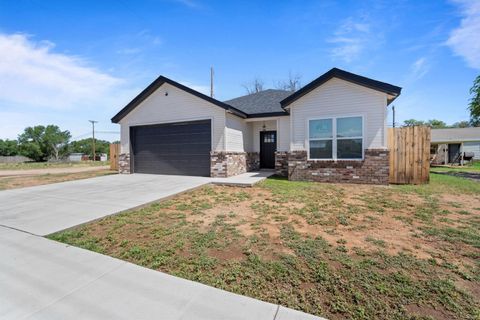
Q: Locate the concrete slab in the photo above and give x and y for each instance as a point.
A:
(36, 272)
(42, 210)
(248, 179)
(43, 279)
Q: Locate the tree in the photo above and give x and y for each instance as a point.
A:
(461, 124)
(474, 105)
(41, 143)
(292, 84)
(8, 147)
(413, 122)
(436, 124)
(433, 123)
(85, 146)
(255, 86)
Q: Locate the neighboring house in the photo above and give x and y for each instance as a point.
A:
(75, 157)
(333, 129)
(454, 145)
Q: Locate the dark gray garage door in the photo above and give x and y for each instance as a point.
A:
(181, 148)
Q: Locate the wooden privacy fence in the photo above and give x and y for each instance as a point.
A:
(114, 152)
(409, 154)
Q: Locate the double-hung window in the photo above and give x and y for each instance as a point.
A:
(335, 138)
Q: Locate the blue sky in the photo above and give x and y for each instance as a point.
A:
(65, 62)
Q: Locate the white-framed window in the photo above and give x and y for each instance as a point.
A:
(335, 138)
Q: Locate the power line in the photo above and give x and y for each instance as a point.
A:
(93, 136)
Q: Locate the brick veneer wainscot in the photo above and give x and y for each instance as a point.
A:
(374, 169)
(281, 163)
(124, 163)
(227, 164)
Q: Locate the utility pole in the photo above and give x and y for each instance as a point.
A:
(93, 137)
(393, 109)
(211, 82)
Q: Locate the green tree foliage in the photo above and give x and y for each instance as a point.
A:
(461, 124)
(41, 143)
(85, 146)
(413, 122)
(8, 147)
(474, 105)
(434, 123)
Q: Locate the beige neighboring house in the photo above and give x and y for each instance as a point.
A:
(455, 145)
(333, 129)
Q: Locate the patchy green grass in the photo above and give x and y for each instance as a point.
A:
(47, 165)
(338, 251)
(474, 167)
(443, 184)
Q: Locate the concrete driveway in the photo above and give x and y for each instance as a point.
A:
(42, 210)
(44, 279)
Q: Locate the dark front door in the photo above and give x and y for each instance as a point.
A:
(453, 151)
(268, 146)
(181, 148)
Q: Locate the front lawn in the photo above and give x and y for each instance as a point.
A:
(14, 182)
(48, 165)
(471, 167)
(338, 251)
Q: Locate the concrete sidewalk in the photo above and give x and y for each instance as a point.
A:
(248, 179)
(44, 279)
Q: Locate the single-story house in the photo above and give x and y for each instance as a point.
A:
(454, 145)
(333, 129)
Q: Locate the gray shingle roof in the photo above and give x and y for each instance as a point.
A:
(266, 101)
(455, 135)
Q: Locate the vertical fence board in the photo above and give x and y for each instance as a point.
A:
(114, 152)
(409, 154)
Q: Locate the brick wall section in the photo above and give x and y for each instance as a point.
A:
(281, 163)
(374, 169)
(227, 164)
(253, 161)
(124, 163)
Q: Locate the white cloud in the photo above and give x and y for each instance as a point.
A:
(33, 75)
(350, 40)
(465, 39)
(418, 69)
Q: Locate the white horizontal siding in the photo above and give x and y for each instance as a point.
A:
(177, 106)
(283, 134)
(340, 98)
(237, 134)
(472, 147)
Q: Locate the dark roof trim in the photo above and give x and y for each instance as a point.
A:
(268, 114)
(347, 76)
(157, 84)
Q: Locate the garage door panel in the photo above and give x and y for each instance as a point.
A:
(173, 148)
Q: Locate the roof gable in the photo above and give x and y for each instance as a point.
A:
(157, 84)
(389, 89)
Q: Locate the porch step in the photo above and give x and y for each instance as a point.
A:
(248, 179)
